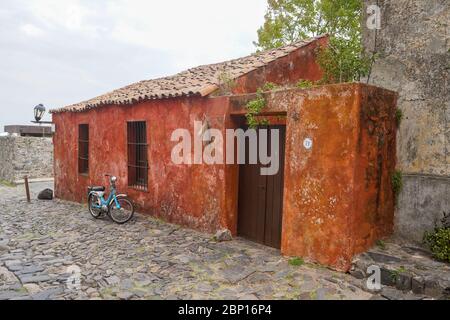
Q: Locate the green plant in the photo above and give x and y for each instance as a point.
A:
(269, 86)
(305, 84)
(344, 59)
(394, 274)
(381, 244)
(439, 241)
(401, 269)
(397, 184)
(226, 84)
(255, 106)
(7, 183)
(398, 116)
(296, 262)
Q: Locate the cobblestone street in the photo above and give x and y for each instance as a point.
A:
(43, 242)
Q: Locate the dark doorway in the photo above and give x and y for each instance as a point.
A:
(261, 197)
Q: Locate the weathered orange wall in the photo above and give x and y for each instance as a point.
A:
(299, 64)
(191, 195)
(338, 195)
(376, 162)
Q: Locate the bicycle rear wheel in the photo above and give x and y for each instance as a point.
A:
(125, 213)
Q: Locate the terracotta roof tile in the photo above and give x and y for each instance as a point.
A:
(202, 80)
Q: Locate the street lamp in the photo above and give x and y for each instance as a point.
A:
(39, 111)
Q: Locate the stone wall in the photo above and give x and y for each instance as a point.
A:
(414, 59)
(7, 145)
(20, 156)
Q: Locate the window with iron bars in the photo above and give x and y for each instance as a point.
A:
(137, 155)
(83, 148)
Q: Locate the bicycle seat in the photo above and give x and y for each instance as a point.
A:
(97, 189)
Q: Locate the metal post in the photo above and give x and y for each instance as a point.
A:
(27, 188)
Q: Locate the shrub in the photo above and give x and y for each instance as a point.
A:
(439, 243)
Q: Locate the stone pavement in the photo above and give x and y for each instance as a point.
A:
(46, 246)
(407, 268)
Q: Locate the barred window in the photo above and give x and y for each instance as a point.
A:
(137, 155)
(83, 148)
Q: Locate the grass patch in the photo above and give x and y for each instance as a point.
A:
(22, 290)
(289, 277)
(7, 184)
(296, 262)
(107, 292)
(381, 244)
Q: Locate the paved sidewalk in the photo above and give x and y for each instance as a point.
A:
(44, 244)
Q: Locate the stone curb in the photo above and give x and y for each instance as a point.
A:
(405, 281)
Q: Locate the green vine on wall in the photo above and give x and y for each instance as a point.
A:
(397, 184)
(305, 84)
(399, 116)
(269, 86)
(255, 106)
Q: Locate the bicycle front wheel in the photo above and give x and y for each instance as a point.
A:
(121, 214)
(93, 206)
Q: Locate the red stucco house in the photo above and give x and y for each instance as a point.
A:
(328, 202)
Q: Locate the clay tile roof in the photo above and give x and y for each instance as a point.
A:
(202, 80)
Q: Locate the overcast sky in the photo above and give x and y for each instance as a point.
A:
(62, 52)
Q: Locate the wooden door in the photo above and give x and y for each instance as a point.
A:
(261, 198)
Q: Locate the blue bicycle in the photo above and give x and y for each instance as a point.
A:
(118, 207)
